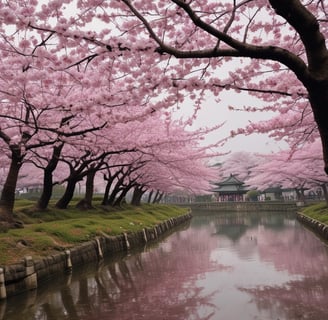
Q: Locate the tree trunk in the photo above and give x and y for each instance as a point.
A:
(106, 194)
(160, 197)
(86, 202)
(156, 196)
(150, 196)
(109, 196)
(46, 194)
(137, 195)
(63, 202)
(319, 102)
(315, 76)
(119, 200)
(110, 180)
(45, 197)
(325, 192)
(115, 192)
(7, 199)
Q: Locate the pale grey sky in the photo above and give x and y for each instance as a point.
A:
(213, 113)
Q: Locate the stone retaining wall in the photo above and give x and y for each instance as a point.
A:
(26, 275)
(318, 227)
(244, 206)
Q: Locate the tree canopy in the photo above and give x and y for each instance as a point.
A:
(77, 77)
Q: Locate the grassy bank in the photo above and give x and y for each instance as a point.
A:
(318, 211)
(56, 230)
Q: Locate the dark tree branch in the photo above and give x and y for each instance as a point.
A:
(238, 48)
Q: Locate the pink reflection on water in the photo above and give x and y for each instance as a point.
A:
(222, 267)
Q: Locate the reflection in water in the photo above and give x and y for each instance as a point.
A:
(233, 266)
(306, 299)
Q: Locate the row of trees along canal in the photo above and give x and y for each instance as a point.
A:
(299, 171)
(91, 86)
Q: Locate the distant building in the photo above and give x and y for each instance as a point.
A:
(230, 189)
(273, 193)
(289, 194)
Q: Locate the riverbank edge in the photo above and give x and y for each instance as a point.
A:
(241, 206)
(316, 226)
(26, 275)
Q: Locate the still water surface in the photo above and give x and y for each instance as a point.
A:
(220, 267)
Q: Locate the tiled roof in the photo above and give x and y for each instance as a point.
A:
(231, 185)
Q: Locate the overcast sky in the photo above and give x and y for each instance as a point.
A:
(213, 113)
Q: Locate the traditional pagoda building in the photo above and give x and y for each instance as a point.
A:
(230, 189)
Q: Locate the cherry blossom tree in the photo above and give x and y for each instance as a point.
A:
(167, 156)
(161, 154)
(240, 163)
(36, 115)
(50, 94)
(280, 46)
(300, 170)
(176, 161)
(186, 44)
(120, 62)
(92, 153)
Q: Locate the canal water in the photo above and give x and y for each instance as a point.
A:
(232, 266)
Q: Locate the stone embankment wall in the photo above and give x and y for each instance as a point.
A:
(318, 227)
(20, 277)
(244, 206)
